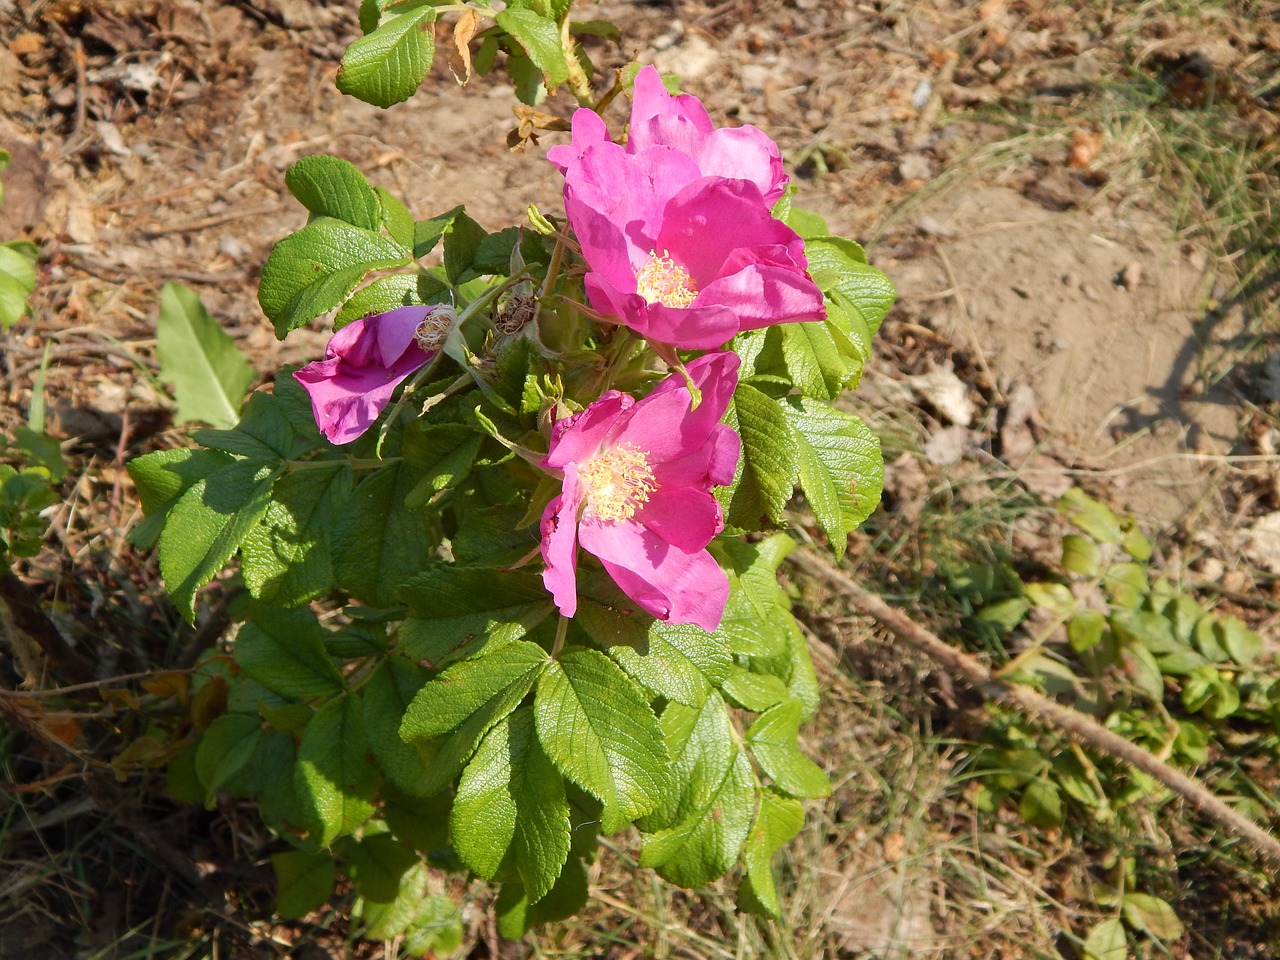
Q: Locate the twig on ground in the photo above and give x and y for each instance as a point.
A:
(1078, 726)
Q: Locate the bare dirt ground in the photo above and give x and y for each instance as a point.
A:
(1053, 319)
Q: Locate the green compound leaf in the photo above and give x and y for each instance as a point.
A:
(511, 796)
(457, 609)
(312, 271)
(225, 749)
(841, 468)
(288, 558)
(757, 619)
(600, 732)
(335, 778)
(386, 66)
(778, 819)
(333, 187)
(17, 280)
(696, 832)
(773, 740)
(304, 881)
(427, 921)
(208, 524)
(377, 542)
(387, 696)
(767, 468)
(209, 374)
(540, 37)
(284, 651)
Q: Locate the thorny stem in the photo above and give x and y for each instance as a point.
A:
(1080, 727)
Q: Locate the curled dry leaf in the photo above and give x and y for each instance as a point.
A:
(463, 31)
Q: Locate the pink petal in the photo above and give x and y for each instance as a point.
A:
(663, 425)
(763, 294)
(672, 584)
(650, 99)
(588, 129)
(560, 544)
(711, 464)
(578, 438)
(688, 518)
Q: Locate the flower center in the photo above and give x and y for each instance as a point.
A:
(662, 280)
(434, 328)
(616, 482)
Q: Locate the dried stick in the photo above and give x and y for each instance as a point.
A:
(1080, 727)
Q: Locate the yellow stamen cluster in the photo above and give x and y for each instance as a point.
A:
(662, 280)
(435, 327)
(615, 483)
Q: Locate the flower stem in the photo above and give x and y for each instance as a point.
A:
(562, 630)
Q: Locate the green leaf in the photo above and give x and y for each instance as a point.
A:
(600, 732)
(377, 865)
(452, 449)
(335, 778)
(1041, 805)
(462, 239)
(386, 66)
(511, 795)
(209, 374)
(696, 833)
(756, 692)
(1151, 915)
(395, 217)
(1243, 644)
(466, 687)
(421, 916)
(436, 928)
(841, 468)
(774, 742)
(427, 233)
(757, 619)
(287, 558)
(540, 38)
(1084, 629)
(17, 280)
(1106, 941)
(768, 466)
(637, 644)
(387, 696)
(224, 750)
(284, 651)
(778, 819)
(161, 478)
(264, 432)
(517, 915)
(333, 187)
(377, 542)
(312, 271)
(457, 609)
(840, 268)
(379, 296)
(208, 524)
(1081, 555)
(1094, 518)
(304, 881)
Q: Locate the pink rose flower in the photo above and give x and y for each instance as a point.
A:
(366, 360)
(637, 494)
(681, 123)
(676, 227)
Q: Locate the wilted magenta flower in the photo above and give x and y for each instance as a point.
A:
(682, 124)
(637, 494)
(366, 360)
